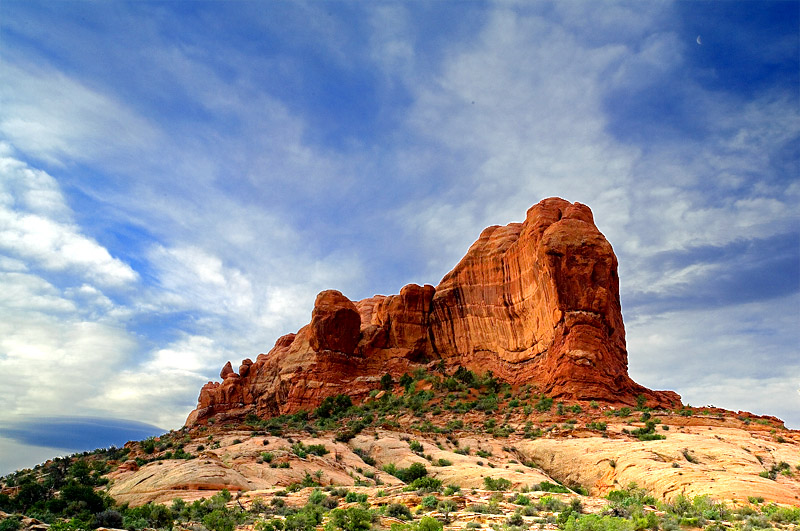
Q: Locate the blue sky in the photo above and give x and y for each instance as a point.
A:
(179, 179)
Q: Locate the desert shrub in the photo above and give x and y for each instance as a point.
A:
(352, 497)
(406, 381)
(548, 503)
(487, 403)
(521, 499)
(12, 523)
(496, 484)
(333, 405)
(426, 523)
(407, 475)
(647, 433)
(352, 519)
(429, 502)
(446, 507)
(386, 381)
(783, 515)
(149, 445)
(302, 451)
(594, 522)
(306, 519)
(544, 404)
(425, 484)
(398, 510)
(632, 495)
(451, 489)
(317, 497)
(515, 519)
(219, 520)
(364, 456)
(546, 486)
(465, 376)
(108, 518)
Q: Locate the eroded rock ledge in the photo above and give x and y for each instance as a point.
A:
(534, 302)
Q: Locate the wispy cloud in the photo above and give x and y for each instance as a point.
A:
(35, 226)
(178, 182)
(51, 116)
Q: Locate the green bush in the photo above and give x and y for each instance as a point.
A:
(352, 497)
(429, 502)
(407, 475)
(333, 405)
(352, 519)
(219, 520)
(425, 484)
(149, 446)
(406, 381)
(302, 451)
(12, 523)
(544, 404)
(546, 486)
(426, 523)
(548, 503)
(647, 433)
(594, 522)
(521, 499)
(364, 456)
(515, 519)
(398, 510)
(496, 484)
(306, 519)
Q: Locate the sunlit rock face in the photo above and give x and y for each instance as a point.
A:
(534, 302)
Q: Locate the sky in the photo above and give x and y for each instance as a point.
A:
(178, 180)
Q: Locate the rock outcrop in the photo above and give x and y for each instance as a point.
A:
(534, 302)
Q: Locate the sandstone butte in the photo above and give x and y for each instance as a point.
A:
(534, 302)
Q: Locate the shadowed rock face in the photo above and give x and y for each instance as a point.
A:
(535, 302)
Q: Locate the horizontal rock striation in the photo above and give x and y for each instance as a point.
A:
(534, 302)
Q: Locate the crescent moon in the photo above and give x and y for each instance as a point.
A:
(699, 41)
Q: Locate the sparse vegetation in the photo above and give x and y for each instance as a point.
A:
(436, 410)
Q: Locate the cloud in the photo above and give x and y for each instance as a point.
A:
(51, 116)
(711, 276)
(35, 226)
(215, 168)
(733, 356)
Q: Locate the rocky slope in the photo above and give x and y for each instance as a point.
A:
(730, 457)
(534, 302)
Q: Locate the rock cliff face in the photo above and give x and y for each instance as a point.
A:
(534, 302)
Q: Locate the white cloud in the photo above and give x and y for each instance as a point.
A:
(51, 116)
(733, 357)
(163, 389)
(190, 277)
(35, 227)
(50, 364)
(520, 110)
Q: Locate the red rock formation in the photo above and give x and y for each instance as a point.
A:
(534, 302)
